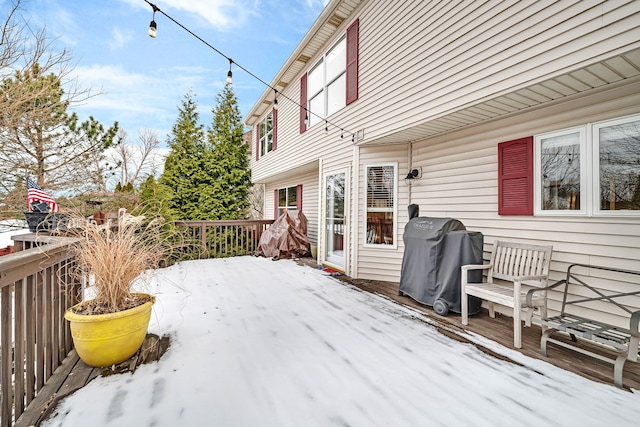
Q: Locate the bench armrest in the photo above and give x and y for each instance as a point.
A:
(529, 300)
(465, 270)
(475, 267)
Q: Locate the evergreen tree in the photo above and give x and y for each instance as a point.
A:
(154, 198)
(183, 172)
(207, 179)
(225, 193)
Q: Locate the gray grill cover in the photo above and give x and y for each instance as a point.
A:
(434, 251)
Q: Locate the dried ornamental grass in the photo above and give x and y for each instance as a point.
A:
(112, 257)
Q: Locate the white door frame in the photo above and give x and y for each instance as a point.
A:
(325, 258)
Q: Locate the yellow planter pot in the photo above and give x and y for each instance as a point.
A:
(107, 339)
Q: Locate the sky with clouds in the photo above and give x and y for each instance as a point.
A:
(143, 80)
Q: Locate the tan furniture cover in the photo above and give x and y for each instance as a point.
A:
(286, 237)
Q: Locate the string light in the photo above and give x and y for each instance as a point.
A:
(230, 74)
(153, 34)
(153, 28)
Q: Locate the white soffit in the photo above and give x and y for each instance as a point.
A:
(593, 76)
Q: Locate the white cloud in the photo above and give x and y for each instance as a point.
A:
(148, 100)
(120, 37)
(220, 14)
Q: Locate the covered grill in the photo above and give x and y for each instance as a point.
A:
(434, 251)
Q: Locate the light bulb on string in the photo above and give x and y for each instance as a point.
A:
(152, 32)
(230, 74)
(153, 28)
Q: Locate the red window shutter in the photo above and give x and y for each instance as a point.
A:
(303, 102)
(515, 177)
(257, 141)
(274, 141)
(352, 61)
(275, 204)
(299, 196)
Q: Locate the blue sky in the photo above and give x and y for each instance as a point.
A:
(143, 80)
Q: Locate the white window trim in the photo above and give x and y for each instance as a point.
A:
(589, 171)
(288, 207)
(322, 62)
(260, 139)
(595, 132)
(584, 167)
(395, 207)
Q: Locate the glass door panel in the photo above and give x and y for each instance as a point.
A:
(335, 219)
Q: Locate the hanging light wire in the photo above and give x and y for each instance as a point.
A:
(229, 74)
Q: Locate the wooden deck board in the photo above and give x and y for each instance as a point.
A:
(62, 380)
(500, 330)
(74, 374)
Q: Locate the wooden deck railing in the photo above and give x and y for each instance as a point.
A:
(36, 287)
(221, 239)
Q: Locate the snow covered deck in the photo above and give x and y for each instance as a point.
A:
(258, 342)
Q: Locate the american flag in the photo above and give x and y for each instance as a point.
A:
(35, 194)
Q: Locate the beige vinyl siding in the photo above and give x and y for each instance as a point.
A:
(310, 201)
(420, 60)
(459, 180)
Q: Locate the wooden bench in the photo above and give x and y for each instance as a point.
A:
(517, 263)
(579, 302)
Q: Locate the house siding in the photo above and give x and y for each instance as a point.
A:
(437, 63)
(459, 180)
(310, 193)
(420, 60)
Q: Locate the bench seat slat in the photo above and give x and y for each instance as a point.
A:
(591, 330)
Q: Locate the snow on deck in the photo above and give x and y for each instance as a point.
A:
(263, 343)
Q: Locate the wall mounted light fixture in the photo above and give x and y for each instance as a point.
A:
(413, 175)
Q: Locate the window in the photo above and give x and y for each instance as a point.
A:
(332, 82)
(288, 198)
(591, 170)
(326, 84)
(380, 204)
(617, 165)
(266, 134)
(561, 184)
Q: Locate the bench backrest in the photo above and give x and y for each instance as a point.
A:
(510, 260)
(594, 290)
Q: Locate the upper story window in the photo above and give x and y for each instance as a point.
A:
(266, 134)
(332, 82)
(326, 83)
(592, 169)
(381, 197)
(266, 131)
